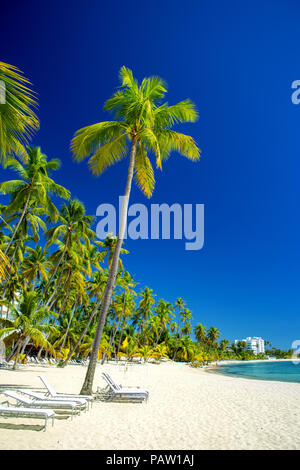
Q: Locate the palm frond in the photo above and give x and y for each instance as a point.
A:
(144, 175)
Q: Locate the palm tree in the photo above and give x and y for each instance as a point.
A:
(200, 333)
(34, 185)
(73, 226)
(146, 124)
(109, 246)
(144, 310)
(224, 343)
(29, 321)
(163, 314)
(36, 265)
(18, 121)
(180, 306)
(97, 289)
(212, 335)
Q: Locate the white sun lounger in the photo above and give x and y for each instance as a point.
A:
(22, 412)
(55, 394)
(81, 403)
(129, 392)
(52, 404)
(120, 387)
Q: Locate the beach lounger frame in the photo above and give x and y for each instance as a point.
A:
(38, 404)
(116, 391)
(22, 412)
(81, 403)
(52, 393)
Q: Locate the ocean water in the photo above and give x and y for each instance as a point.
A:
(283, 371)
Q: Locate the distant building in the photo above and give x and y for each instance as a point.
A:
(253, 343)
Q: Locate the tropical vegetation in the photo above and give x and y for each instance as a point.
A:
(64, 294)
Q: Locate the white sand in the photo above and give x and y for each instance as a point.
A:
(188, 409)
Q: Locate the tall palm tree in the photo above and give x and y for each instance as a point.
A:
(146, 124)
(212, 335)
(36, 265)
(163, 314)
(34, 185)
(73, 226)
(180, 306)
(18, 121)
(144, 310)
(200, 333)
(224, 343)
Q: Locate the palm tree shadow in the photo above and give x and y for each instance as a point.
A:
(28, 427)
(12, 387)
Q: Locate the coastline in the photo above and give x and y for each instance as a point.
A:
(188, 409)
(223, 363)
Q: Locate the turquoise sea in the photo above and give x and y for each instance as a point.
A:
(283, 371)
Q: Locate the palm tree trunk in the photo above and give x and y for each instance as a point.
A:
(17, 355)
(58, 264)
(83, 333)
(89, 378)
(10, 263)
(19, 221)
(69, 324)
(25, 342)
(13, 351)
(111, 340)
(50, 302)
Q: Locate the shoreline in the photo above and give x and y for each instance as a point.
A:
(219, 366)
(188, 409)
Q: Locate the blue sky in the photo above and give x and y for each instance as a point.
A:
(236, 61)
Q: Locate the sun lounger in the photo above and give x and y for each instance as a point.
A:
(81, 403)
(120, 387)
(53, 393)
(52, 404)
(22, 412)
(130, 392)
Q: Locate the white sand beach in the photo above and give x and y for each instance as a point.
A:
(189, 409)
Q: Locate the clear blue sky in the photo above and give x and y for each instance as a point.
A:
(236, 60)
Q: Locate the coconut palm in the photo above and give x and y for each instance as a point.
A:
(18, 121)
(109, 246)
(145, 123)
(73, 227)
(224, 343)
(144, 311)
(35, 186)
(29, 321)
(212, 335)
(162, 317)
(36, 265)
(200, 333)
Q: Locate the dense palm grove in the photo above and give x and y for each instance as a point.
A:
(54, 271)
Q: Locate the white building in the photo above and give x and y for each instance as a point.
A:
(253, 343)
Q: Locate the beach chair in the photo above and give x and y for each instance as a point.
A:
(22, 412)
(81, 403)
(129, 392)
(120, 387)
(54, 394)
(52, 404)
